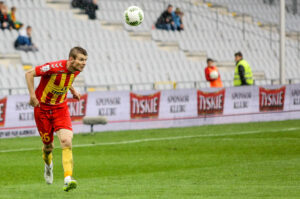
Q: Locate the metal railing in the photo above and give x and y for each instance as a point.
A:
(153, 86)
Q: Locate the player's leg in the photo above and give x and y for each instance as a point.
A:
(63, 128)
(47, 153)
(46, 132)
(47, 157)
(65, 137)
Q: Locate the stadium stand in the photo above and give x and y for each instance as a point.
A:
(261, 12)
(119, 62)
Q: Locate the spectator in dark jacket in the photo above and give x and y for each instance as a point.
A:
(24, 41)
(5, 20)
(82, 4)
(165, 21)
(177, 18)
(91, 8)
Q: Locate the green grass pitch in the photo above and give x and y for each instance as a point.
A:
(236, 161)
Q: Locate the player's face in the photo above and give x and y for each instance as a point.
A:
(210, 63)
(80, 62)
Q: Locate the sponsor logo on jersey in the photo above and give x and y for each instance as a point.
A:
(45, 68)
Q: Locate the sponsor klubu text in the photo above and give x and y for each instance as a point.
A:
(296, 96)
(176, 100)
(240, 99)
(107, 106)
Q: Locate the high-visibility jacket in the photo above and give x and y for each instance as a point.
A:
(248, 73)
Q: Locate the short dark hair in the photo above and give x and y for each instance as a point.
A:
(170, 5)
(238, 54)
(77, 50)
(209, 59)
(28, 27)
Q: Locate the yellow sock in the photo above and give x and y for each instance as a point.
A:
(67, 160)
(47, 157)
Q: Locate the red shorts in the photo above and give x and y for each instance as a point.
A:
(49, 120)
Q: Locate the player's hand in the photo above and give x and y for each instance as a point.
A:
(34, 101)
(76, 95)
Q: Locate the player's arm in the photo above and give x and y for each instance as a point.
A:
(207, 74)
(76, 94)
(29, 76)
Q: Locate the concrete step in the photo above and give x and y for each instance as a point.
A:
(140, 35)
(168, 46)
(8, 59)
(259, 75)
(112, 26)
(244, 18)
(226, 65)
(196, 56)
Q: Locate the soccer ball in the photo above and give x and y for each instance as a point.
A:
(214, 75)
(134, 16)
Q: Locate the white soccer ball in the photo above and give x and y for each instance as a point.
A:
(134, 16)
(214, 75)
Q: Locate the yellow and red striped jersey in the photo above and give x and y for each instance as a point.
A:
(55, 82)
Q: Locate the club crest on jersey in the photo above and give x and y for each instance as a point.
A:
(45, 68)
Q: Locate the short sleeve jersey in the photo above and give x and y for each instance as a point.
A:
(55, 82)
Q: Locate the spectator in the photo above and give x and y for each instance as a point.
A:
(1, 4)
(177, 18)
(91, 8)
(270, 2)
(5, 20)
(243, 73)
(24, 41)
(165, 21)
(212, 74)
(17, 24)
(82, 4)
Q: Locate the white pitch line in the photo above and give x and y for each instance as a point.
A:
(159, 139)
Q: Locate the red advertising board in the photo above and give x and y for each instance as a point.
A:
(210, 103)
(271, 99)
(77, 108)
(144, 106)
(2, 111)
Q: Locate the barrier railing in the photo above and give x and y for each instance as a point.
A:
(151, 85)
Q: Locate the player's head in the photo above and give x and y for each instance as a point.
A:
(28, 30)
(13, 9)
(170, 8)
(210, 62)
(238, 56)
(4, 9)
(78, 57)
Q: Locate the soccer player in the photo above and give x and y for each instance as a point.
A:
(210, 70)
(51, 112)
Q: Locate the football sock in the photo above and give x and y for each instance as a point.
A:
(67, 160)
(47, 157)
